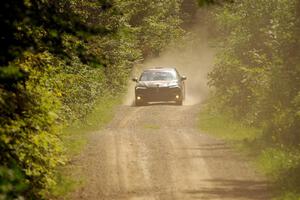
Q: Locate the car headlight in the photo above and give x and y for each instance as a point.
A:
(140, 88)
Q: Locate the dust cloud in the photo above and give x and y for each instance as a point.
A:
(193, 57)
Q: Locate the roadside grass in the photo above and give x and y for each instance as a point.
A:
(279, 163)
(75, 138)
(223, 126)
(282, 165)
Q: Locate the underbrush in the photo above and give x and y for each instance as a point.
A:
(223, 126)
(75, 138)
(280, 163)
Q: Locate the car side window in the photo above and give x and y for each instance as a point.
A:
(177, 74)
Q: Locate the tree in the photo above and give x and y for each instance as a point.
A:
(57, 59)
(257, 74)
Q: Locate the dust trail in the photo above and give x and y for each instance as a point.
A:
(193, 57)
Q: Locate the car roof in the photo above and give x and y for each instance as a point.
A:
(161, 69)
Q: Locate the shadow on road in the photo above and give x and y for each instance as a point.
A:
(233, 189)
(156, 104)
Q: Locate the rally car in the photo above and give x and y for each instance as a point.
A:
(159, 85)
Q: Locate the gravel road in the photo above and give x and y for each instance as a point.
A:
(156, 153)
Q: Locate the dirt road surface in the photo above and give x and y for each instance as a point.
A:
(156, 153)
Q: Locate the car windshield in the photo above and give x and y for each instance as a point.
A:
(158, 76)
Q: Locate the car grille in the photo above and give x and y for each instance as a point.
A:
(159, 93)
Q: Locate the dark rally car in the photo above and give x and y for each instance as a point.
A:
(159, 85)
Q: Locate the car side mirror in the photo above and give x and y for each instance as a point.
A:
(135, 79)
(183, 78)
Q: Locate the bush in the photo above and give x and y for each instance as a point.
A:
(29, 143)
(57, 59)
(256, 77)
(282, 165)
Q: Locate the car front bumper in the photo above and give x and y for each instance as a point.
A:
(157, 94)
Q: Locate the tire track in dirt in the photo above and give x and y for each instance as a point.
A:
(156, 153)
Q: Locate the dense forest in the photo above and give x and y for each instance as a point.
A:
(256, 79)
(57, 59)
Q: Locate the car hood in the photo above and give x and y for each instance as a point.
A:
(151, 84)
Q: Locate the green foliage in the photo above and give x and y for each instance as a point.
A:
(29, 141)
(257, 77)
(57, 59)
(74, 135)
(257, 71)
(156, 22)
(280, 162)
(206, 2)
(223, 125)
(283, 166)
(74, 139)
(11, 182)
(212, 2)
